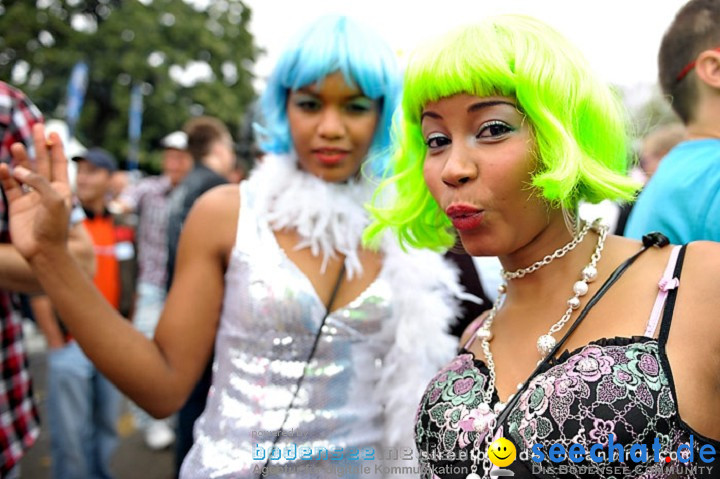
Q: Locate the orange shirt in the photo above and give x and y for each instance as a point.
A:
(107, 275)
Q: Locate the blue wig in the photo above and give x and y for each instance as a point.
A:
(330, 44)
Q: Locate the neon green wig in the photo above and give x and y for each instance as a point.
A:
(578, 123)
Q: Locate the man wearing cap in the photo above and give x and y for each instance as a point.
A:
(148, 198)
(83, 406)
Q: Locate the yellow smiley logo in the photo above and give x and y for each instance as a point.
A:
(502, 452)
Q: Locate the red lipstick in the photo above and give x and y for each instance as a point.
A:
(330, 156)
(464, 217)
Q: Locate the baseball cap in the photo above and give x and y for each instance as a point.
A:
(177, 140)
(98, 157)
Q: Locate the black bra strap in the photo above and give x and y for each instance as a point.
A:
(670, 301)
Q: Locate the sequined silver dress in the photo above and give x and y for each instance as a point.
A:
(270, 316)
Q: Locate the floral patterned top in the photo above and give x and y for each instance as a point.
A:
(613, 391)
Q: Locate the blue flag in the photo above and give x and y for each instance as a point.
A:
(76, 94)
(134, 126)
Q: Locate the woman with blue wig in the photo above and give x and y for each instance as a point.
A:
(322, 347)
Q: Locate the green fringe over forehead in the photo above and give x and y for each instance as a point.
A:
(465, 61)
(577, 121)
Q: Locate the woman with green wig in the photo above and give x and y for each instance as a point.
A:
(598, 347)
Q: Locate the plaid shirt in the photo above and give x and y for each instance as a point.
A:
(149, 198)
(19, 424)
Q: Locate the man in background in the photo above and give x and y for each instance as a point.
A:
(682, 199)
(211, 147)
(83, 406)
(148, 198)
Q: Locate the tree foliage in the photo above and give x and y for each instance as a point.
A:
(187, 59)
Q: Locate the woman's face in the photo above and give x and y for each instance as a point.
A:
(332, 125)
(478, 167)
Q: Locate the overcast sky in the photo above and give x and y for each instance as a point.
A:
(619, 37)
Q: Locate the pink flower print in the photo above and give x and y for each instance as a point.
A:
(590, 364)
(566, 385)
(461, 363)
(649, 365)
(463, 388)
(467, 425)
(601, 431)
(457, 365)
(434, 395)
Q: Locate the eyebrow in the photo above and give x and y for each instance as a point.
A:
(307, 91)
(472, 108)
(487, 104)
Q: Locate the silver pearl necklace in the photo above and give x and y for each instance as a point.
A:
(487, 421)
(547, 342)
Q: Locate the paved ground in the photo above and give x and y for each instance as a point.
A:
(132, 460)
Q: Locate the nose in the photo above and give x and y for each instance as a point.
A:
(459, 168)
(331, 125)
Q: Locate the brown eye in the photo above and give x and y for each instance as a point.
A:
(437, 140)
(493, 129)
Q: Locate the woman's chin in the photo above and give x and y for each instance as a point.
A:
(477, 244)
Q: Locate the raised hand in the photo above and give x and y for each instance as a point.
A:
(39, 199)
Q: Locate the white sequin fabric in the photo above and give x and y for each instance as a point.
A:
(270, 316)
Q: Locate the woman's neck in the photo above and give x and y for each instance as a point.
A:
(329, 218)
(558, 273)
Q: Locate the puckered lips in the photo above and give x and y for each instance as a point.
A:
(464, 217)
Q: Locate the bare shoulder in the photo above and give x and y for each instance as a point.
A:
(220, 202)
(219, 199)
(700, 286)
(702, 268)
(213, 217)
(472, 328)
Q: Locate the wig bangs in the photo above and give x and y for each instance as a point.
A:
(578, 123)
(332, 44)
(462, 62)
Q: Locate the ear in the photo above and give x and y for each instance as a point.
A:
(707, 68)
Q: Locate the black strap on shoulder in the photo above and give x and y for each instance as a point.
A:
(652, 239)
(298, 384)
(670, 300)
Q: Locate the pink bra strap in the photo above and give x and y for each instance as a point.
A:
(474, 326)
(666, 283)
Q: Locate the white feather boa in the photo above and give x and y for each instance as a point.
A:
(330, 219)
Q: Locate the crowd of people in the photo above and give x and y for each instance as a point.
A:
(321, 313)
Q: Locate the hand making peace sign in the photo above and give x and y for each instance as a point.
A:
(39, 198)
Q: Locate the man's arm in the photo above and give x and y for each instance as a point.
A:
(47, 321)
(129, 200)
